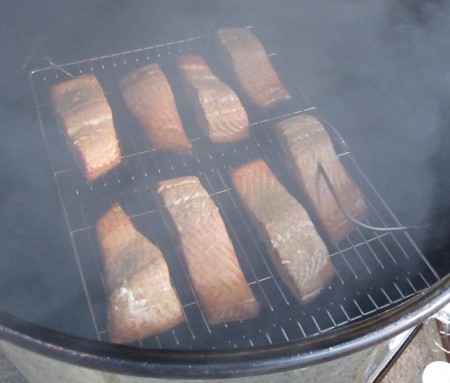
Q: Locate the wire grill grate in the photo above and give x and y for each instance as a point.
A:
(374, 272)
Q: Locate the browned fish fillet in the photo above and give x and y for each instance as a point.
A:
(86, 119)
(297, 251)
(149, 97)
(141, 300)
(218, 280)
(306, 144)
(248, 60)
(217, 108)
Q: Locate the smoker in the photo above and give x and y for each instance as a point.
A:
(375, 77)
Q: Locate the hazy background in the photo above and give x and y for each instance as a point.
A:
(378, 70)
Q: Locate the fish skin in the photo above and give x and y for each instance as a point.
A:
(86, 119)
(149, 97)
(219, 283)
(247, 59)
(218, 110)
(306, 143)
(141, 299)
(297, 251)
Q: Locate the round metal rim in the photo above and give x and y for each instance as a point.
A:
(130, 360)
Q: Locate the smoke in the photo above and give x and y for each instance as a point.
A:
(378, 70)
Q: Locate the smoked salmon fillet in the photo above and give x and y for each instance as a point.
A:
(247, 59)
(141, 300)
(298, 253)
(208, 252)
(217, 108)
(148, 96)
(306, 144)
(85, 117)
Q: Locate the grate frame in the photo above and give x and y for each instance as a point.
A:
(374, 272)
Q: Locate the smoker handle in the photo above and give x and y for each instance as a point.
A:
(353, 219)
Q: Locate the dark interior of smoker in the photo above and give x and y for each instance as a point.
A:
(375, 74)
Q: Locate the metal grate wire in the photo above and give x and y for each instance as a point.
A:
(374, 272)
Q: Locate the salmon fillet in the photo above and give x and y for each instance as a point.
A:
(86, 119)
(217, 108)
(148, 96)
(141, 299)
(306, 144)
(247, 59)
(297, 251)
(218, 280)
